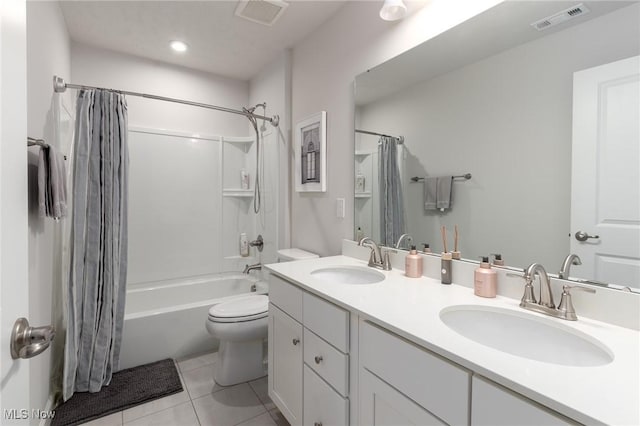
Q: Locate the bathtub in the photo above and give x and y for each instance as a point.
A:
(167, 319)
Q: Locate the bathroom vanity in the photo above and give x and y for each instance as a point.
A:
(381, 353)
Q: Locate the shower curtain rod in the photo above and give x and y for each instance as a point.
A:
(399, 138)
(60, 86)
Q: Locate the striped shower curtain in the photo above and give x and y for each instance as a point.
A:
(392, 223)
(98, 270)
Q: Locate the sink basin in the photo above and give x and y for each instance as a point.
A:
(348, 275)
(526, 335)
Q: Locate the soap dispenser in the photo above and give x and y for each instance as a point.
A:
(413, 264)
(445, 268)
(485, 283)
(497, 259)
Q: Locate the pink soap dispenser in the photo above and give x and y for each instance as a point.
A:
(485, 283)
(413, 264)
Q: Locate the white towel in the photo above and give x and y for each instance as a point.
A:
(443, 197)
(430, 193)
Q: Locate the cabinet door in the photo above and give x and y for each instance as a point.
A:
(493, 405)
(285, 364)
(323, 406)
(381, 404)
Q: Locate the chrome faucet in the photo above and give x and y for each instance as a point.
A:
(545, 305)
(254, 267)
(376, 258)
(546, 297)
(402, 237)
(572, 259)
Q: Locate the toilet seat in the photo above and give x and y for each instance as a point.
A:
(241, 309)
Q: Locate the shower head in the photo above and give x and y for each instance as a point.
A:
(274, 121)
(263, 105)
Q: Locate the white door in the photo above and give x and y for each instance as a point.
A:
(14, 374)
(605, 178)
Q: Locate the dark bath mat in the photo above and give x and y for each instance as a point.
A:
(127, 389)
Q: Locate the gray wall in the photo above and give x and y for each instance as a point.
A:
(48, 53)
(323, 70)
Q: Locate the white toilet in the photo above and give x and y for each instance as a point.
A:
(241, 326)
(286, 255)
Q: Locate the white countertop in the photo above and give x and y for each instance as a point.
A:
(410, 307)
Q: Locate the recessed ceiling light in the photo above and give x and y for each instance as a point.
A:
(178, 46)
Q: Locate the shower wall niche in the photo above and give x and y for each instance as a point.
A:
(187, 206)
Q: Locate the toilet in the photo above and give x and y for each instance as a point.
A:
(287, 255)
(241, 326)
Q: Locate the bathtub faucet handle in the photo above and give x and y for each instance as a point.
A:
(258, 242)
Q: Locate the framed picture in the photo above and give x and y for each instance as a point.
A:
(311, 153)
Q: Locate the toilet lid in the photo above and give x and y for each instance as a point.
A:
(247, 306)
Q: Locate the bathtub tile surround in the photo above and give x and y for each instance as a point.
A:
(240, 405)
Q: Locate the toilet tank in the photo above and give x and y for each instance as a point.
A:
(287, 255)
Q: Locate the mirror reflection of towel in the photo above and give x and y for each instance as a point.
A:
(443, 197)
(437, 192)
(430, 193)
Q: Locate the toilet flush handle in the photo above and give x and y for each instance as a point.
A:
(295, 341)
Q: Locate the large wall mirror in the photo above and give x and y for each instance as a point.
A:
(546, 121)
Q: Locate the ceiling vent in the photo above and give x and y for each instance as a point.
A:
(560, 17)
(265, 12)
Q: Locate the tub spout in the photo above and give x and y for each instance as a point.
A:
(249, 268)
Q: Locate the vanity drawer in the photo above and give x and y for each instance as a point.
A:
(286, 296)
(330, 364)
(322, 405)
(326, 320)
(434, 383)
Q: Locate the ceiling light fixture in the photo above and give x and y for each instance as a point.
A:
(178, 46)
(393, 10)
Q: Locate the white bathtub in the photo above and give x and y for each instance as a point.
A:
(167, 320)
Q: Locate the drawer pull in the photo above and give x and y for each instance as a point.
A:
(317, 424)
(318, 360)
(295, 341)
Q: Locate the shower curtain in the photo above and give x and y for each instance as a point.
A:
(96, 289)
(392, 221)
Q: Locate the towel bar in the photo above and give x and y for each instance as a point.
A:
(466, 176)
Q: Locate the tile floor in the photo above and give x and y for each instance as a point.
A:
(203, 402)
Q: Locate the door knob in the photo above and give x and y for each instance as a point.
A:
(583, 236)
(27, 341)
